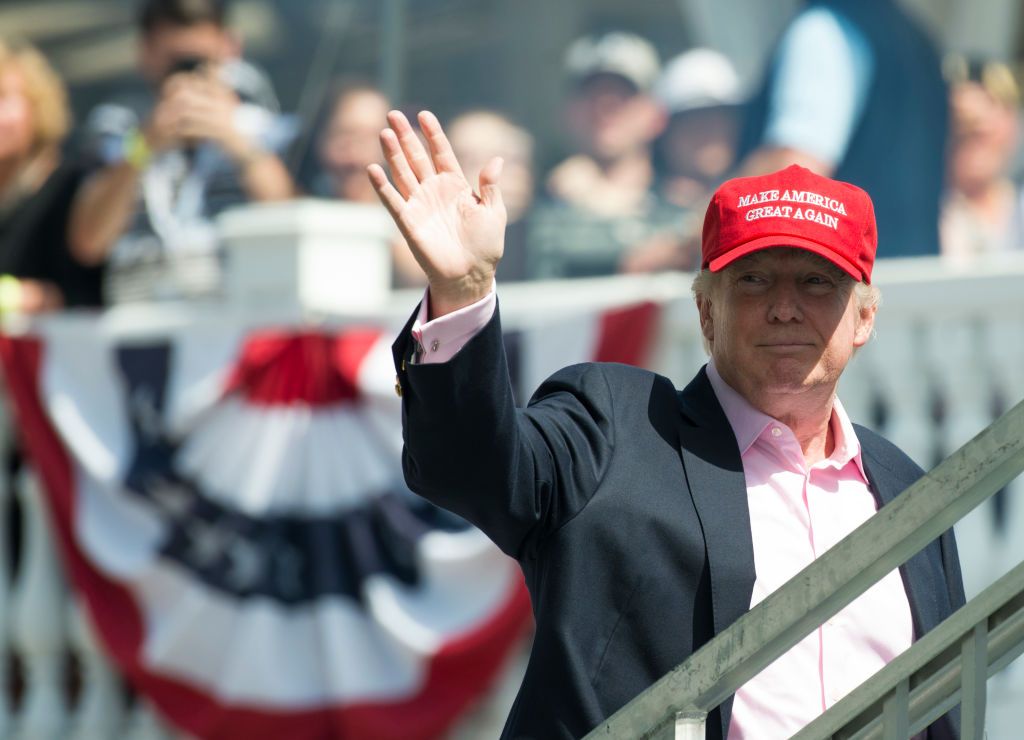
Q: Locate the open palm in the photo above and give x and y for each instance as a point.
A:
(456, 235)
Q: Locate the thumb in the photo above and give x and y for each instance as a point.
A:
(490, 193)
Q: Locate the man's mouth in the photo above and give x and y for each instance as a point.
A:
(785, 345)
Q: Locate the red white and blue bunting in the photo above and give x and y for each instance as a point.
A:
(230, 508)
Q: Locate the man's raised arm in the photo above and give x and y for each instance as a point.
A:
(516, 475)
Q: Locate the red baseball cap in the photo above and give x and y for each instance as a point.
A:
(793, 207)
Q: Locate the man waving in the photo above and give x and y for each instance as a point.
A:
(646, 520)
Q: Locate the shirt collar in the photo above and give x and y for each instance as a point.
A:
(748, 424)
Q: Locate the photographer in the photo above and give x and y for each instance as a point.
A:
(207, 142)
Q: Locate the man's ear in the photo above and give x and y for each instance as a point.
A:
(707, 324)
(865, 325)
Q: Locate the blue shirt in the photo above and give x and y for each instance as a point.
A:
(824, 74)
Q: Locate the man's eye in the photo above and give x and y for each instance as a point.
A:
(818, 280)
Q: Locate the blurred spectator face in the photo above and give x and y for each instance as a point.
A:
(16, 124)
(479, 136)
(701, 144)
(34, 113)
(985, 131)
(168, 47)
(610, 118)
(351, 141)
(701, 91)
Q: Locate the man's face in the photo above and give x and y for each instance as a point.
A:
(782, 322)
(610, 118)
(167, 45)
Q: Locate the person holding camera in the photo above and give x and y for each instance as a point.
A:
(207, 142)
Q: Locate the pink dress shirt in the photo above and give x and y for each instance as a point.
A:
(796, 513)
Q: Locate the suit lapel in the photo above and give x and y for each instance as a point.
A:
(918, 573)
(714, 473)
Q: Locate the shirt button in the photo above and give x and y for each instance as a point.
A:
(434, 345)
(776, 432)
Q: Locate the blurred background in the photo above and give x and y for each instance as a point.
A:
(454, 54)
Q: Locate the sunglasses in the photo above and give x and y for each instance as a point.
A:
(997, 78)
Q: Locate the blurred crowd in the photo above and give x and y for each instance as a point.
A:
(853, 89)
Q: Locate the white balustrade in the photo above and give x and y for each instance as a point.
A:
(38, 622)
(100, 703)
(5, 587)
(964, 384)
(900, 378)
(1005, 349)
(966, 395)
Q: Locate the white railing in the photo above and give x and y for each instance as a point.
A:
(949, 353)
(46, 633)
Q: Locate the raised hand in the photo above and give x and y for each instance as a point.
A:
(457, 235)
(199, 107)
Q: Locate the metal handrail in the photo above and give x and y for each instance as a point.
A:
(949, 664)
(916, 517)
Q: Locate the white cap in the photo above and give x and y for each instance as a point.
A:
(625, 54)
(698, 78)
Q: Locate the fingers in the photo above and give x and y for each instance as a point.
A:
(397, 162)
(173, 84)
(412, 147)
(163, 125)
(440, 148)
(490, 193)
(410, 164)
(391, 199)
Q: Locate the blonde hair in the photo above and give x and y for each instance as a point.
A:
(46, 93)
(705, 284)
(997, 78)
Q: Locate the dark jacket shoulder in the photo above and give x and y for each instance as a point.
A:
(886, 454)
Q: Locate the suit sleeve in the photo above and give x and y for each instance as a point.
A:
(516, 474)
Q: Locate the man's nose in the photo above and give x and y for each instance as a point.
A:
(784, 305)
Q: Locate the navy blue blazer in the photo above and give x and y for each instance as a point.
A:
(625, 504)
